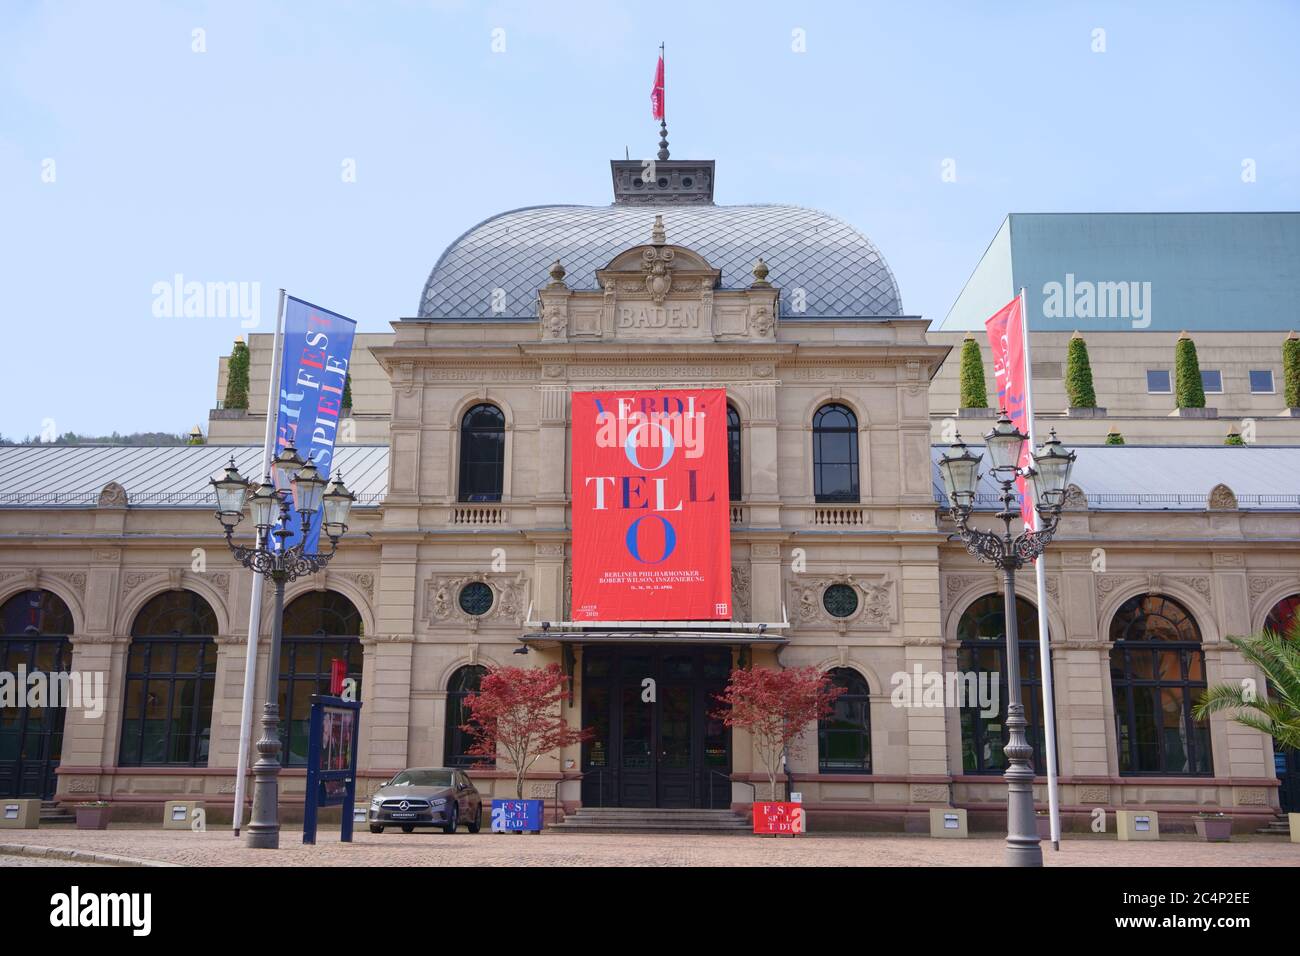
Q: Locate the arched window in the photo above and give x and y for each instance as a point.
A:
(319, 628)
(844, 737)
(835, 454)
(982, 660)
(1157, 673)
(36, 625)
(171, 669)
(456, 742)
(735, 485)
(482, 453)
(1284, 615)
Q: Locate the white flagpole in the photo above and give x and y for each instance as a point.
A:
(1040, 579)
(255, 607)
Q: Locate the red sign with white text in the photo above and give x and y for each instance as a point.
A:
(651, 522)
(778, 818)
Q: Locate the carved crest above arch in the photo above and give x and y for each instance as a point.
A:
(113, 496)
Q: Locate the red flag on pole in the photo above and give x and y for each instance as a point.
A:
(1007, 340)
(657, 92)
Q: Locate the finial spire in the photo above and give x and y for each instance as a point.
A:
(663, 139)
(658, 236)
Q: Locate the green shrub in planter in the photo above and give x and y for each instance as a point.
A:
(1291, 370)
(347, 390)
(237, 376)
(973, 394)
(1078, 374)
(1234, 437)
(1113, 437)
(1187, 373)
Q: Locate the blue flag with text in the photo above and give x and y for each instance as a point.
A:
(317, 351)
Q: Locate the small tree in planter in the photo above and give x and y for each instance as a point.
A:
(973, 393)
(1291, 370)
(347, 391)
(1078, 374)
(93, 815)
(1234, 436)
(775, 706)
(237, 376)
(1114, 437)
(1187, 374)
(515, 717)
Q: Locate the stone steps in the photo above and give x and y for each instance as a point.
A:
(1278, 826)
(54, 812)
(652, 820)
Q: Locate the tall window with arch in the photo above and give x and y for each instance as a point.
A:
(456, 743)
(482, 453)
(35, 628)
(982, 672)
(735, 484)
(1157, 673)
(171, 670)
(835, 454)
(319, 628)
(844, 736)
(1282, 619)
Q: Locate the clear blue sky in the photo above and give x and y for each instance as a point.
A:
(225, 166)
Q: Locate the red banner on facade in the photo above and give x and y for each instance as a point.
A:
(651, 528)
(1006, 331)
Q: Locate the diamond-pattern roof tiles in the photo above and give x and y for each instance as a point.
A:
(842, 274)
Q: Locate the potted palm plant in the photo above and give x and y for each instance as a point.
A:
(1278, 656)
(93, 815)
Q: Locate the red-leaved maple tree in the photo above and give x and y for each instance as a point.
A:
(775, 706)
(515, 717)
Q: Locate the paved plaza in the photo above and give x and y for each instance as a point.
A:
(221, 848)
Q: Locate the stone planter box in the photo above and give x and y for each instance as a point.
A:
(1214, 829)
(227, 414)
(1293, 412)
(93, 818)
(977, 413)
(1197, 413)
(1098, 412)
(1044, 822)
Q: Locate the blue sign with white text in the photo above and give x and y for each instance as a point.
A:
(511, 816)
(313, 370)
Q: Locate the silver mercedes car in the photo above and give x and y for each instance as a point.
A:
(426, 797)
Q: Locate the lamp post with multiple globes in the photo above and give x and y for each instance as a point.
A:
(1051, 476)
(269, 556)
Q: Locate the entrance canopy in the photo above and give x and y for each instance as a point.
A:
(549, 638)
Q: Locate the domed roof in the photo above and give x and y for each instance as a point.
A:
(842, 274)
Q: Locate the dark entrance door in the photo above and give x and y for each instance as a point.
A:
(655, 743)
(31, 738)
(1288, 771)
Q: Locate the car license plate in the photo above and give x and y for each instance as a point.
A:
(403, 816)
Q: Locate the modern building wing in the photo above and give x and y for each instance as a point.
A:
(1157, 272)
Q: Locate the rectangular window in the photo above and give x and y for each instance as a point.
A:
(1158, 381)
(1211, 381)
(1261, 381)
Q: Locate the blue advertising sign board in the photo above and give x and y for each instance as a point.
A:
(516, 816)
(331, 762)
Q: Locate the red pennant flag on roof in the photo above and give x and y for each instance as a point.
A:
(657, 93)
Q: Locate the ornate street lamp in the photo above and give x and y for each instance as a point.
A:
(1051, 476)
(271, 515)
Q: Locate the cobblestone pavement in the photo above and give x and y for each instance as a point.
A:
(220, 848)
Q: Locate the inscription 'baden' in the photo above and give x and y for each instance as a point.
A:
(659, 317)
